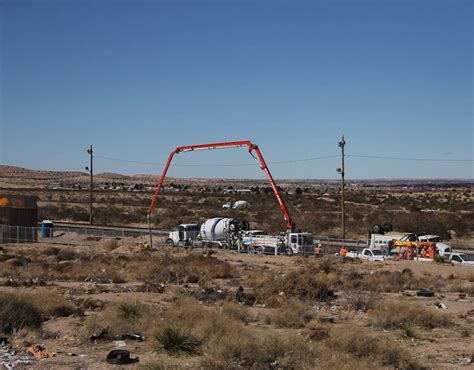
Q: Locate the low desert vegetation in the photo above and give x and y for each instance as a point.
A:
(360, 343)
(22, 310)
(174, 340)
(315, 209)
(217, 309)
(292, 313)
(17, 313)
(392, 314)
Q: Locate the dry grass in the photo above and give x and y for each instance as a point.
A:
(228, 343)
(50, 304)
(191, 268)
(305, 284)
(110, 244)
(360, 300)
(123, 317)
(384, 281)
(17, 313)
(173, 339)
(391, 314)
(236, 311)
(358, 342)
(291, 314)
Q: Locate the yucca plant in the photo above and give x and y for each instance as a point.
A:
(174, 339)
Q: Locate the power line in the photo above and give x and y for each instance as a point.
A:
(216, 165)
(289, 161)
(409, 159)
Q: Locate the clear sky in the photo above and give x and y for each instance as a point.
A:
(138, 78)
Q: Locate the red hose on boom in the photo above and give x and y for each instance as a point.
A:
(290, 225)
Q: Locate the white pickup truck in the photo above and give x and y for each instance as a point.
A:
(368, 254)
(461, 259)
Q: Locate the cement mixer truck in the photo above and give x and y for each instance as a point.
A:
(215, 232)
(291, 241)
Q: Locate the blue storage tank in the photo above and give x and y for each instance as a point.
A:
(46, 229)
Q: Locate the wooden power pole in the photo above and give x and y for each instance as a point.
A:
(91, 172)
(341, 144)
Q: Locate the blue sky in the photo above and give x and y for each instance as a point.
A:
(138, 78)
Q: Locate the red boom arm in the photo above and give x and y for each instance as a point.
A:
(233, 144)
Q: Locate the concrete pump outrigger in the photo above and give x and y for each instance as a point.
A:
(290, 225)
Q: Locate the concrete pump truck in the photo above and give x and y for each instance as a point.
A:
(290, 242)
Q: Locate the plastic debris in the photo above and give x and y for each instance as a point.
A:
(424, 293)
(440, 306)
(120, 357)
(102, 335)
(38, 351)
(11, 360)
(120, 343)
(136, 337)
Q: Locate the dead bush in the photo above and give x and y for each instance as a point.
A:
(327, 264)
(187, 269)
(360, 343)
(235, 311)
(291, 314)
(110, 244)
(304, 284)
(228, 343)
(50, 304)
(245, 348)
(391, 314)
(360, 300)
(121, 318)
(17, 313)
(318, 333)
(384, 281)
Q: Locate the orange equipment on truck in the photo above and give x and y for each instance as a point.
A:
(412, 250)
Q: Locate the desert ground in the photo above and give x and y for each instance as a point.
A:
(79, 298)
(220, 309)
(444, 208)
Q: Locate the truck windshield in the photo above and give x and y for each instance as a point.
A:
(305, 239)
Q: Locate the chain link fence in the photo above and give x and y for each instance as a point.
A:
(77, 234)
(70, 235)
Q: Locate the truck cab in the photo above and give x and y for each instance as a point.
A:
(442, 248)
(184, 235)
(461, 259)
(299, 242)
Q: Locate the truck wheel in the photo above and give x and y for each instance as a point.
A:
(377, 229)
(387, 227)
(170, 242)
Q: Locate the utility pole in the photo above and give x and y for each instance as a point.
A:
(340, 170)
(91, 172)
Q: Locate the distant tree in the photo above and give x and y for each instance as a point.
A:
(299, 191)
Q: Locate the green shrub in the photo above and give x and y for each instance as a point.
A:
(174, 339)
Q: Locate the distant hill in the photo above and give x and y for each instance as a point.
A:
(26, 177)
